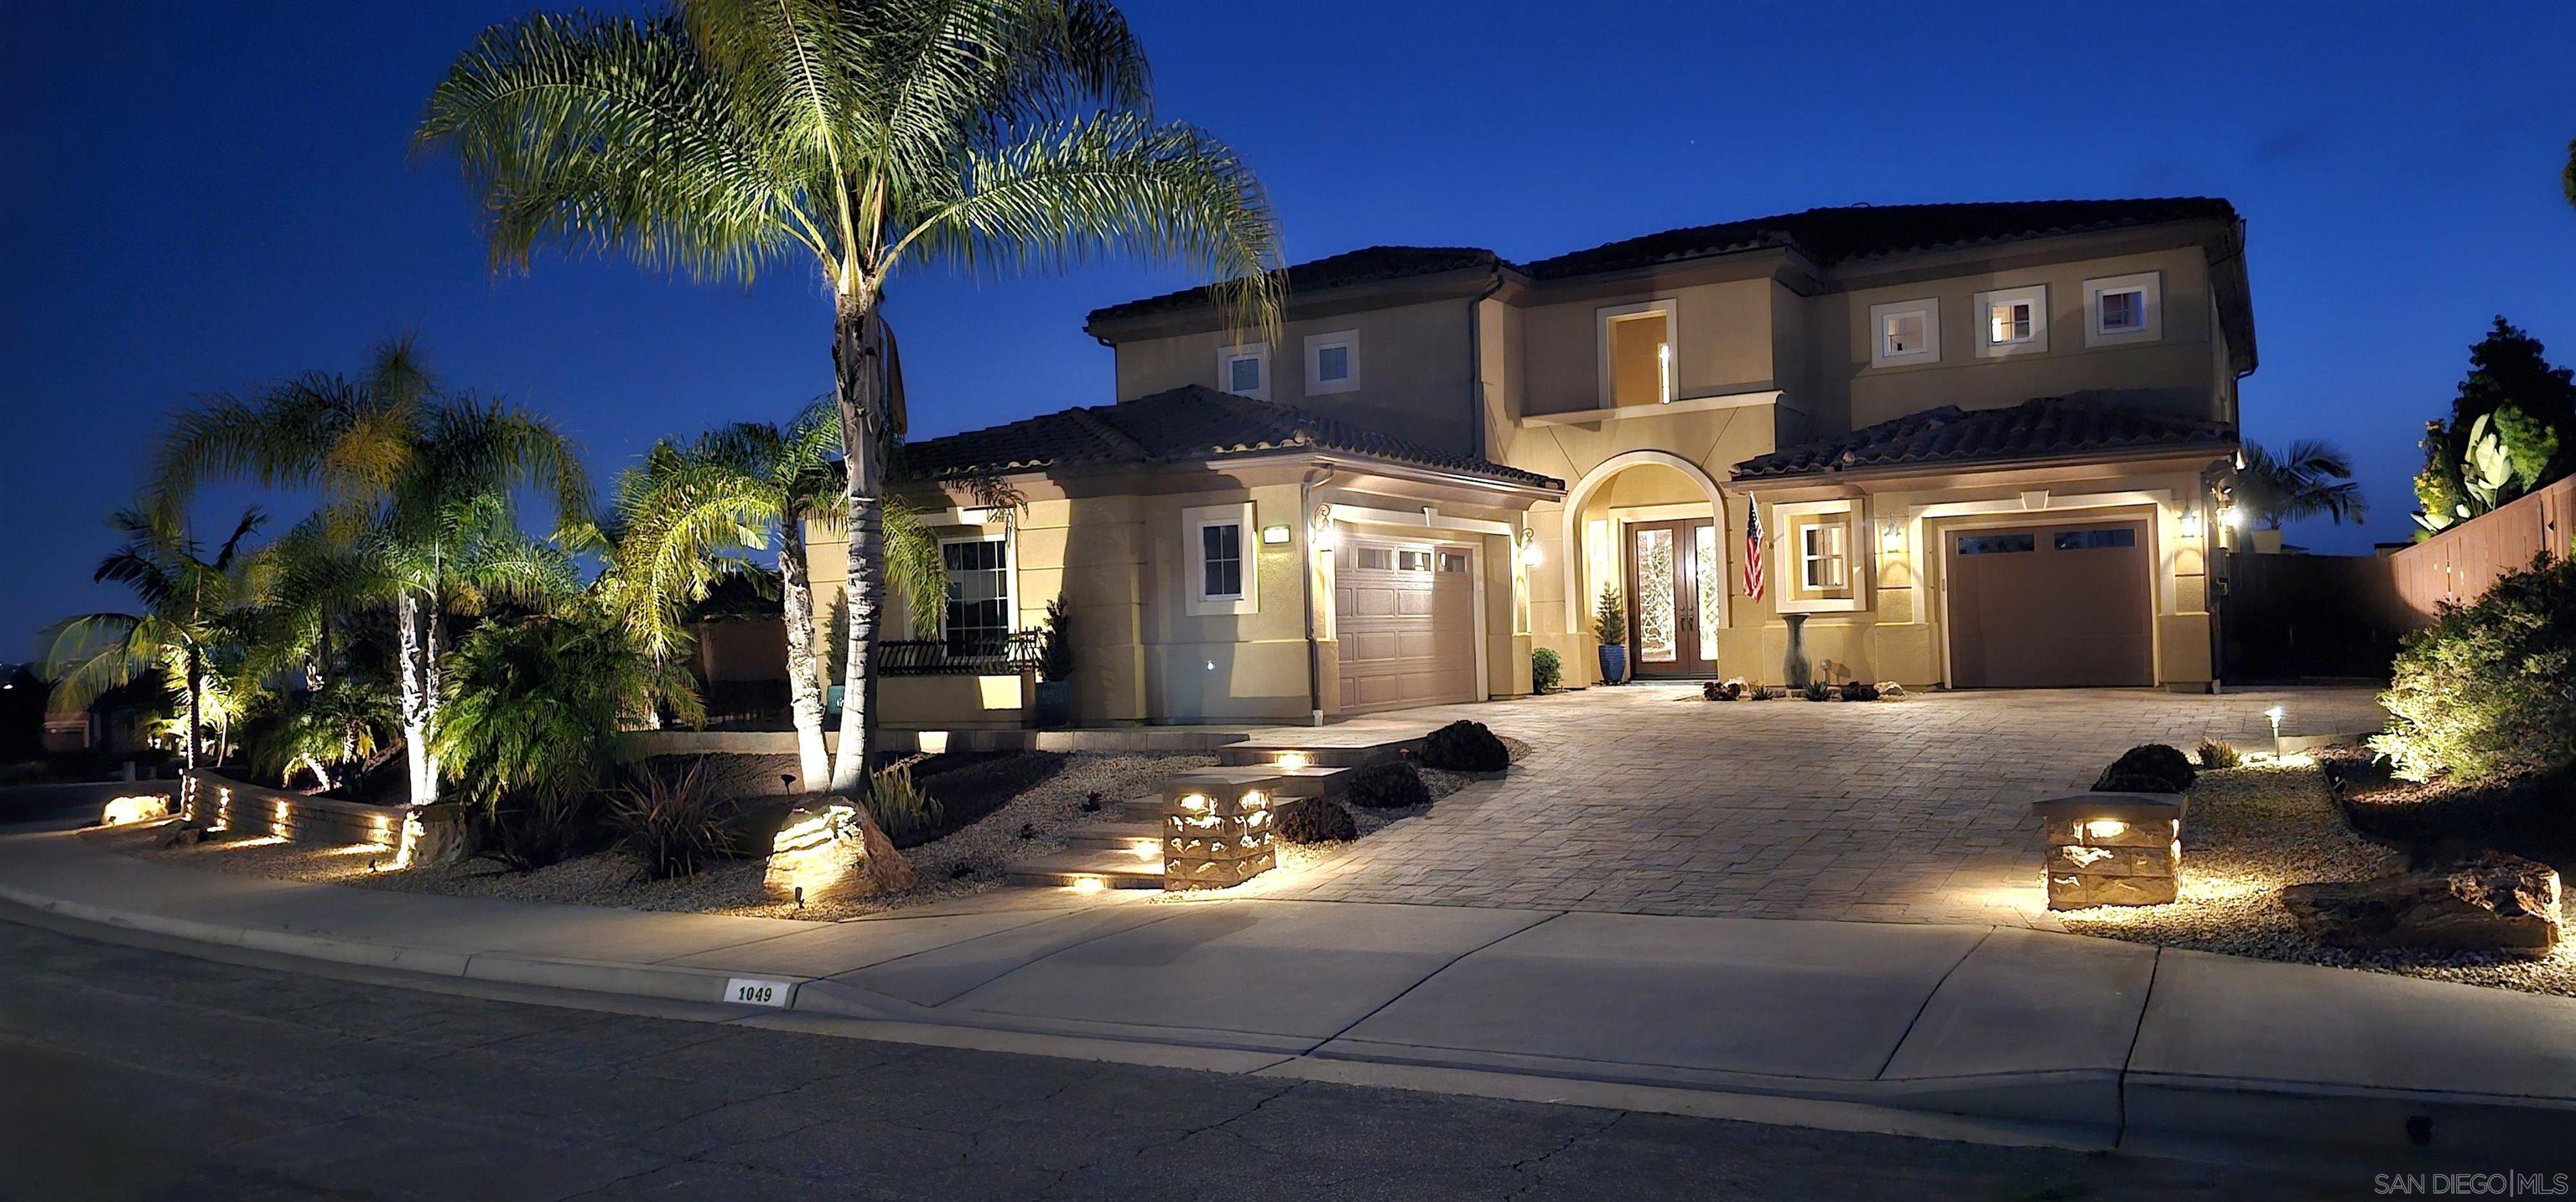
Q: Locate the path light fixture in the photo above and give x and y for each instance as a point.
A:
(1216, 835)
(2276, 713)
(2112, 849)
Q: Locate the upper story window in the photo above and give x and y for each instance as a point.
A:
(1222, 562)
(1637, 356)
(1332, 362)
(2012, 321)
(1905, 332)
(1245, 371)
(2124, 308)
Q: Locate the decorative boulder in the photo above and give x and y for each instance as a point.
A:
(2488, 902)
(831, 849)
(2147, 768)
(1389, 786)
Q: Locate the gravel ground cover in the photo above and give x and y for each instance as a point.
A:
(967, 861)
(2252, 830)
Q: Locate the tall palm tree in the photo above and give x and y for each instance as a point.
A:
(690, 512)
(722, 137)
(416, 487)
(2312, 479)
(191, 613)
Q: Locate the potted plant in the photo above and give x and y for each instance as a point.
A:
(1055, 669)
(1610, 628)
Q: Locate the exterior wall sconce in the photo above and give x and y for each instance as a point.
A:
(1319, 528)
(2232, 516)
(2112, 849)
(1218, 835)
(2190, 523)
(1891, 537)
(1529, 547)
(1274, 535)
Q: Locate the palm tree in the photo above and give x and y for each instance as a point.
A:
(192, 608)
(2314, 478)
(689, 512)
(416, 490)
(723, 137)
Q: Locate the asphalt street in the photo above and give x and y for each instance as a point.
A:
(127, 1072)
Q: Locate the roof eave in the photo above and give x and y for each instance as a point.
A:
(1934, 467)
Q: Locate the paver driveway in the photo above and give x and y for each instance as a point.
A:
(1646, 799)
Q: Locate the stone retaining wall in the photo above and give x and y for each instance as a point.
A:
(222, 803)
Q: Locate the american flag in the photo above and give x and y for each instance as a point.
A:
(1753, 550)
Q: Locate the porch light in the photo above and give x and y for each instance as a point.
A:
(1529, 547)
(1275, 535)
(1216, 838)
(2232, 515)
(1319, 528)
(2190, 523)
(1891, 537)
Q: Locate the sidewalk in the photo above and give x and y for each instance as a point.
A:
(1997, 1033)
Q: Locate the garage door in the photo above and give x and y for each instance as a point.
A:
(2050, 607)
(1406, 617)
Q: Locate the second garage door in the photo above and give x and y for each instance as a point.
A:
(2050, 607)
(1406, 617)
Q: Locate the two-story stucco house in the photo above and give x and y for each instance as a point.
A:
(1984, 443)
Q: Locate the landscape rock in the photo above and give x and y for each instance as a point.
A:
(2488, 902)
(832, 850)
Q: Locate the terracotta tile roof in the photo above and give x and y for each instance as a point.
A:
(2046, 428)
(1830, 236)
(1189, 424)
(1350, 267)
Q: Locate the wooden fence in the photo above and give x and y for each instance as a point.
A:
(2460, 563)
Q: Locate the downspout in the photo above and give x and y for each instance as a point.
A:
(1476, 360)
(1306, 585)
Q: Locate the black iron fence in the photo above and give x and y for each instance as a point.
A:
(1015, 652)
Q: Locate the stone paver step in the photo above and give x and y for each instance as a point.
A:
(1295, 782)
(1274, 754)
(1112, 869)
(1122, 836)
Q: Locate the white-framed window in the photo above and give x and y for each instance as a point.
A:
(1639, 365)
(1824, 556)
(1244, 371)
(977, 620)
(1332, 362)
(2124, 308)
(1818, 544)
(2012, 321)
(1224, 559)
(1903, 332)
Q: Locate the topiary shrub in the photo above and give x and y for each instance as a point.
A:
(2215, 754)
(2484, 691)
(1818, 690)
(1389, 786)
(1546, 670)
(1464, 746)
(1313, 820)
(2147, 768)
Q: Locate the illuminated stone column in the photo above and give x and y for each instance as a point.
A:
(1215, 836)
(2112, 849)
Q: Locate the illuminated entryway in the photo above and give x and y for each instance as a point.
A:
(1645, 526)
(1676, 596)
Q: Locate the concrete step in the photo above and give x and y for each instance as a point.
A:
(1295, 782)
(1250, 754)
(1111, 869)
(1115, 836)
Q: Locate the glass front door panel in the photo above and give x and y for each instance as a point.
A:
(1709, 577)
(1656, 612)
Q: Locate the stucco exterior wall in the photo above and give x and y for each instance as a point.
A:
(1413, 370)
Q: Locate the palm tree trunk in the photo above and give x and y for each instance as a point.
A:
(804, 678)
(414, 664)
(196, 689)
(858, 349)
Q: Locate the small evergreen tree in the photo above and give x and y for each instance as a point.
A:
(1610, 618)
(2512, 429)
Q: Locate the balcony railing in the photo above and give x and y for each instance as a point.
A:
(1016, 652)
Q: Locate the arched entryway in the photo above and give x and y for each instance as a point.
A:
(1651, 525)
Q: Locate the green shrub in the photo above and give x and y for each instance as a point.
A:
(523, 833)
(1314, 820)
(1464, 746)
(673, 822)
(1818, 690)
(2216, 754)
(1388, 786)
(2489, 689)
(1546, 670)
(2147, 768)
(900, 807)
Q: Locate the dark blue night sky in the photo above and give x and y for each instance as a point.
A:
(204, 197)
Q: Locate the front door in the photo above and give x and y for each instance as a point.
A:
(1676, 582)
